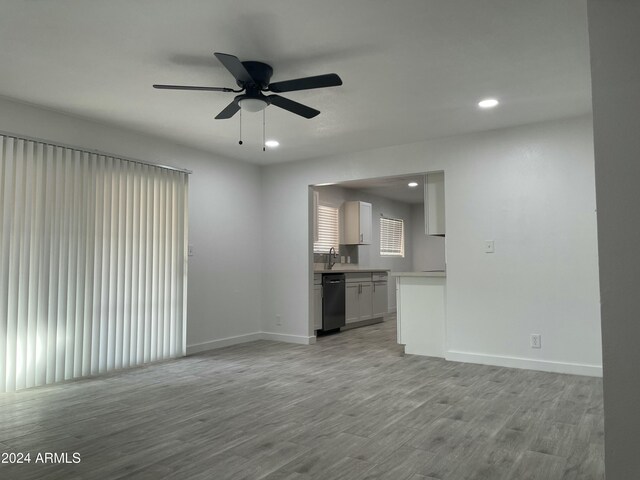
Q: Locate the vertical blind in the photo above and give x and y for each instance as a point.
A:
(391, 237)
(92, 263)
(327, 229)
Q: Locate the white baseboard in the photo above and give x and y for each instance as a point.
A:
(526, 363)
(223, 342)
(249, 337)
(281, 337)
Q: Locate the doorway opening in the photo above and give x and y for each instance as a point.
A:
(360, 232)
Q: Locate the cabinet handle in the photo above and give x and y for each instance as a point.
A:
(374, 287)
(361, 237)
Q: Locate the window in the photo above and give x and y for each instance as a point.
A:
(328, 234)
(391, 237)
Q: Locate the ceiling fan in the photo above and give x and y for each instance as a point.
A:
(253, 79)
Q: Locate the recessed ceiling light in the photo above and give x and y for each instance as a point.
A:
(413, 184)
(272, 143)
(488, 103)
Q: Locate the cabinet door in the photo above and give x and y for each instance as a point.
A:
(366, 301)
(352, 299)
(317, 307)
(351, 223)
(357, 223)
(380, 307)
(365, 223)
(434, 208)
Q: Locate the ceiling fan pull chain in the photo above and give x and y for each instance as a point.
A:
(264, 138)
(240, 141)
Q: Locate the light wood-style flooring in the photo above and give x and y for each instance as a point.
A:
(350, 407)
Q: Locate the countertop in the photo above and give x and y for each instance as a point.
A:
(419, 274)
(353, 270)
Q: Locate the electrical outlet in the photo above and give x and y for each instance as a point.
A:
(536, 340)
(279, 320)
(489, 246)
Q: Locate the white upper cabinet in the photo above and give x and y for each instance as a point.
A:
(357, 223)
(434, 204)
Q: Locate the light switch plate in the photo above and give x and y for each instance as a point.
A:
(489, 246)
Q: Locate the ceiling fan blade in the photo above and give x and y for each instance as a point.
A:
(235, 67)
(188, 87)
(306, 83)
(293, 107)
(229, 111)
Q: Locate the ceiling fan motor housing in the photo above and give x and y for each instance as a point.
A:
(260, 73)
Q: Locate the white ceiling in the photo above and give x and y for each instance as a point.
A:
(412, 70)
(393, 188)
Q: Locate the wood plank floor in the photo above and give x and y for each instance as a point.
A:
(350, 407)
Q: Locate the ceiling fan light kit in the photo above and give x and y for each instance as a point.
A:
(254, 78)
(252, 104)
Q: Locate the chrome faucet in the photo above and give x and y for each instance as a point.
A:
(332, 255)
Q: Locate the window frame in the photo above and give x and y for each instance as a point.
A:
(386, 223)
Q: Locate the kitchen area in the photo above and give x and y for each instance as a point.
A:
(373, 239)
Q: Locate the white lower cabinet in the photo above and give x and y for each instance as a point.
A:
(380, 299)
(366, 301)
(359, 300)
(352, 303)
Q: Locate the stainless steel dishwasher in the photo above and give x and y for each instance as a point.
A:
(333, 301)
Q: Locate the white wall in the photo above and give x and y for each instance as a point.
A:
(224, 216)
(615, 67)
(427, 251)
(531, 189)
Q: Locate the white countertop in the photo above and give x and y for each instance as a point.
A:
(353, 270)
(419, 274)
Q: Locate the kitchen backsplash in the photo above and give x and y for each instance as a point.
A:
(346, 251)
